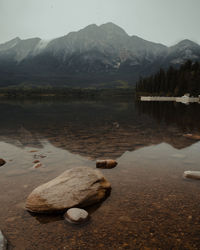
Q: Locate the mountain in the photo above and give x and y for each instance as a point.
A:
(96, 56)
(183, 51)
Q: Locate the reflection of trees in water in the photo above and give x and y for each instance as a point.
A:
(95, 129)
(186, 117)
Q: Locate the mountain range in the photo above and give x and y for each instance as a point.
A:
(97, 56)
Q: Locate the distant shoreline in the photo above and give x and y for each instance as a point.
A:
(66, 92)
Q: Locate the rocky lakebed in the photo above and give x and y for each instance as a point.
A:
(114, 175)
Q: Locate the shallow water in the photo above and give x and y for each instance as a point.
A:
(151, 205)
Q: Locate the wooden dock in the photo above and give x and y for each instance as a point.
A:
(182, 99)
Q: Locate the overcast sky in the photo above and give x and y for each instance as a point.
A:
(164, 21)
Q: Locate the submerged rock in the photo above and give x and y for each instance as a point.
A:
(180, 156)
(3, 242)
(2, 162)
(192, 174)
(36, 161)
(38, 156)
(37, 165)
(80, 186)
(192, 136)
(76, 215)
(106, 163)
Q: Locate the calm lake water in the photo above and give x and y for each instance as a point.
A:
(151, 205)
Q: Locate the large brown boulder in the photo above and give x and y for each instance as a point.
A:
(78, 187)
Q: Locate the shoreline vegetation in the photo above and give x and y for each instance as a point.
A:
(172, 82)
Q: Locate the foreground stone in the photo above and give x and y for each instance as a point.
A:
(76, 215)
(3, 242)
(106, 163)
(192, 174)
(80, 187)
(2, 162)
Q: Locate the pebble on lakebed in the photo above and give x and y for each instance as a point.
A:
(37, 165)
(192, 174)
(106, 163)
(2, 162)
(76, 215)
(36, 161)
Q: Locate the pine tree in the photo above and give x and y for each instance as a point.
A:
(173, 82)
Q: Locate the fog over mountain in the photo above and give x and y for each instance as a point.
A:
(96, 56)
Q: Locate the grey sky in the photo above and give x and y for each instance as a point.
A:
(164, 21)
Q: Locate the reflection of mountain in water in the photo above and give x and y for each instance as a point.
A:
(96, 129)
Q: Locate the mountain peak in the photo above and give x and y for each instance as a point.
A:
(10, 44)
(109, 27)
(16, 39)
(89, 28)
(112, 28)
(187, 42)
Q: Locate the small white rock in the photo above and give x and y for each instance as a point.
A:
(76, 215)
(192, 174)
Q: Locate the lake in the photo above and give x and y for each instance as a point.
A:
(150, 206)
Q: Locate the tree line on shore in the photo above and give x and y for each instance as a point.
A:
(172, 82)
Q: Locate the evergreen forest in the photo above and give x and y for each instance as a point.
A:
(172, 82)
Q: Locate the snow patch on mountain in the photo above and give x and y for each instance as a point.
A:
(42, 44)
